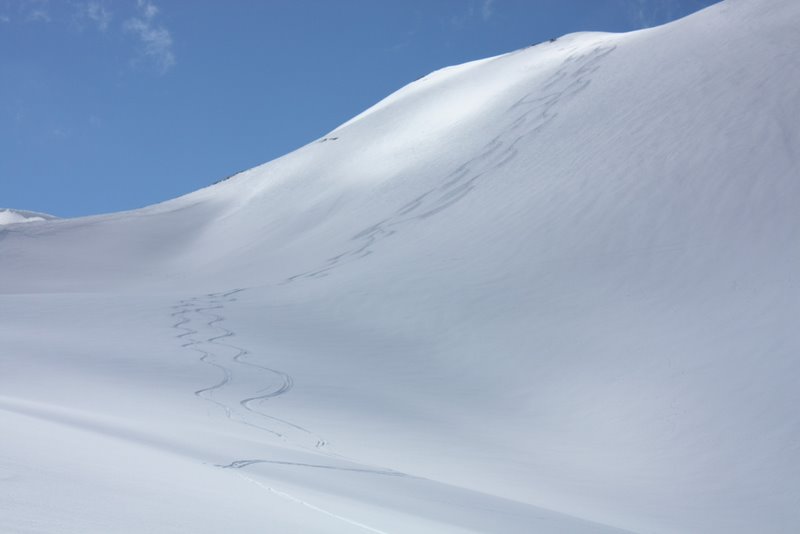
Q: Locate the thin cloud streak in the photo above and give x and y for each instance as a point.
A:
(487, 9)
(155, 39)
(95, 12)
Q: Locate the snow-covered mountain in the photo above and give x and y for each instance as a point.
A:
(550, 291)
(11, 216)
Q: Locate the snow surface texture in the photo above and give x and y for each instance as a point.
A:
(554, 291)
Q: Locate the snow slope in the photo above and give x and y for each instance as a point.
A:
(551, 291)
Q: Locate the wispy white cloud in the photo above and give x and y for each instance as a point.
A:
(487, 9)
(636, 11)
(35, 10)
(155, 39)
(39, 15)
(60, 132)
(149, 9)
(483, 10)
(96, 13)
(646, 14)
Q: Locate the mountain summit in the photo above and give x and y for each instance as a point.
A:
(9, 216)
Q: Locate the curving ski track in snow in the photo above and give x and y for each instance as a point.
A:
(206, 311)
(292, 498)
(206, 393)
(525, 119)
(203, 310)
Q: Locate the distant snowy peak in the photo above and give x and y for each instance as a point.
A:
(9, 216)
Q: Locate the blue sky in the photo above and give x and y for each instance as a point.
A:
(116, 104)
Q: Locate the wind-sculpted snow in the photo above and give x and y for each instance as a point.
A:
(549, 291)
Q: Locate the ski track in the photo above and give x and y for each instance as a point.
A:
(292, 498)
(524, 120)
(239, 464)
(206, 311)
(286, 381)
(207, 339)
(203, 311)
